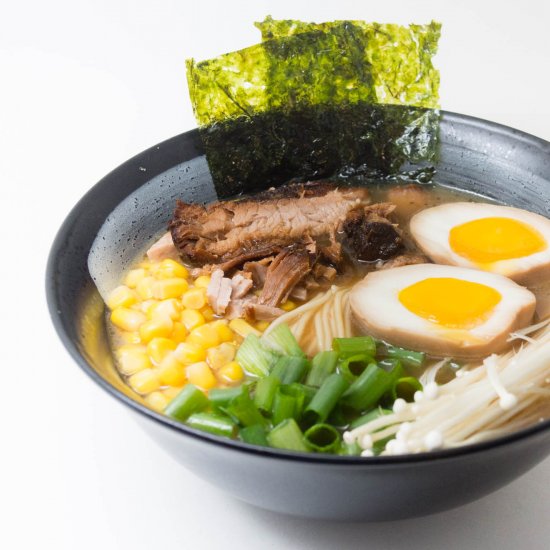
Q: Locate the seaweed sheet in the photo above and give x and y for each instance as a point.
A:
(313, 100)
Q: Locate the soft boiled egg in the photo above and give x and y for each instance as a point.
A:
(500, 239)
(443, 310)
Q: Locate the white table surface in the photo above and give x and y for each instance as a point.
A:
(84, 85)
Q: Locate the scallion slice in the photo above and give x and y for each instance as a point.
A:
(352, 367)
(255, 435)
(212, 423)
(265, 393)
(357, 345)
(322, 366)
(290, 369)
(407, 357)
(325, 399)
(367, 390)
(288, 403)
(287, 435)
(188, 401)
(322, 438)
(253, 357)
(281, 340)
(405, 388)
(244, 411)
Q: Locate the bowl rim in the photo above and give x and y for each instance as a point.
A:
(235, 445)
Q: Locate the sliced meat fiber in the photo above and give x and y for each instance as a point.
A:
(163, 249)
(240, 285)
(262, 312)
(219, 292)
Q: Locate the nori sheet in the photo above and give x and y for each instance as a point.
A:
(315, 100)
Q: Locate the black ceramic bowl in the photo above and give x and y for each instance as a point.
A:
(133, 202)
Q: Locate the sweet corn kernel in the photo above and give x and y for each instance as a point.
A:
(168, 269)
(159, 348)
(188, 353)
(130, 337)
(289, 305)
(132, 359)
(127, 319)
(144, 381)
(225, 334)
(145, 288)
(230, 373)
(148, 307)
(169, 288)
(156, 328)
(167, 308)
(192, 318)
(179, 333)
(208, 313)
(220, 355)
(121, 296)
(262, 325)
(242, 328)
(157, 401)
(202, 282)
(171, 372)
(171, 392)
(134, 277)
(205, 336)
(194, 298)
(201, 375)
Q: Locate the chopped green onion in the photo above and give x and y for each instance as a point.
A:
(290, 369)
(265, 392)
(253, 357)
(212, 423)
(371, 415)
(351, 367)
(322, 438)
(255, 435)
(188, 401)
(405, 388)
(346, 347)
(283, 341)
(367, 390)
(322, 366)
(350, 449)
(326, 398)
(388, 364)
(243, 410)
(409, 358)
(287, 435)
(288, 403)
(221, 397)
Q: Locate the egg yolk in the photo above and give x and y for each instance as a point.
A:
(454, 303)
(488, 240)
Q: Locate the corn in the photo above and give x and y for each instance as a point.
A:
(130, 337)
(156, 328)
(194, 298)
(171, 392)
(132, 359)
(192, 318)
(202, 282)
(144, 381)
(225, 334)
(289, 305)
(230, 373)
(127, 319)
(179, 333)
(262, 325)
(208, 313)
(134, 277)
(169, 269)
(148, 307)
(169, 288)
(159, 348)
(188, 353)
(167, 308)
(121, 296)
(157, 401)
(171, 372)
(201, 375)
(145, 288)
(242, 328)
(220, 355)
(205, 336)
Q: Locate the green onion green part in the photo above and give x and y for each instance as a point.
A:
(221, 397)
(353, 366)
(407, 357)
(322, 438)
(281, 340)
(244, 411)
(405, 388)
(265, 393)
(358, 345)
(253, 357)
(290, 369)
(255, 435)
(326, 399)
(288, 403)
(367, 390)
(322, 366)
(287, 435)
(188, 401)
(212, 423)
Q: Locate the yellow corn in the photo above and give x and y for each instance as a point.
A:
(192, 318)
(121, 296)
(194, 298)
(220, 355)
(201, 375)
(179, 333)
(171, 372)
(208, 313)
(156, 328)
(289, 305)
(168, 269)
(169, 288)
(134, 277)
(262, 325)
(225, 334)
(171, 392)
(144, 381)
(148, 307)
(242, 328)
(188, 353)
(157, 401)
(127, 319)
(205, 336)
(159, 348)
(145, 288)
(132, 359)
(230, 373)
(167, 308)
(130, 337)
(202, 282)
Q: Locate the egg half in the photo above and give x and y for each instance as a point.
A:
(500, 239)
(443, 310)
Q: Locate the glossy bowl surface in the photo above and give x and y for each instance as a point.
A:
(108, 227)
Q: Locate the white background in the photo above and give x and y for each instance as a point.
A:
(86, 84)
